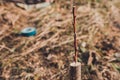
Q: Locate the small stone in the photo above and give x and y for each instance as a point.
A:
(117, 55)
(83, 44)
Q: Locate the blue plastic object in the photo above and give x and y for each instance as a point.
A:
(29, 31)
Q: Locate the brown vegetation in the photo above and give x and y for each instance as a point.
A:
(47, 55)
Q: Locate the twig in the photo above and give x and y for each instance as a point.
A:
(74, 26)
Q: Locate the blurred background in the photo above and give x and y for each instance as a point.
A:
(47, 55)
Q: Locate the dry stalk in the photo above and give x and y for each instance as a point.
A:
(74, 26)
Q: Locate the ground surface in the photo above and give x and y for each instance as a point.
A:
(47, 55)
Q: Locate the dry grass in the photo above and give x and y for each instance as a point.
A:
(47, 55)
